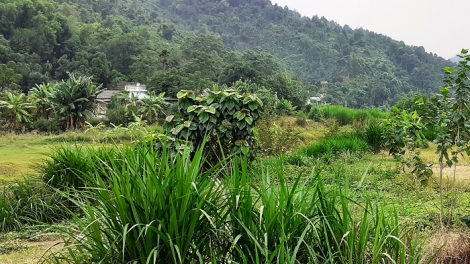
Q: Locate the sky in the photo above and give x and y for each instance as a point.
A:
(440, 26)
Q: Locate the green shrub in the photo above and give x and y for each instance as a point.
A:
(119, 116)
(301, 119)
(275, 137)
(49, 125)
(284, 107)
(225, 118)
(156, 209)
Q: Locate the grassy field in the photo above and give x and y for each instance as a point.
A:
(375, 177)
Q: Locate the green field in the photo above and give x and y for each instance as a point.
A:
(368, 177)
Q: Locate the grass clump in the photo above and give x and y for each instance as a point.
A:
(30, 202)
(344, 115)
(67, 163)
(148, 207)
(336, 145)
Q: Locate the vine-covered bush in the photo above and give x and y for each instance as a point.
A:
(225, 118)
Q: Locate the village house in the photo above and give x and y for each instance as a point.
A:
(104, 98)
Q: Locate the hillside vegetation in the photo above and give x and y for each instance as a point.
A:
(170, 45)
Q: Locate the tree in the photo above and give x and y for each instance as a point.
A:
(9, 79)
(152, 107)
(16, 110)
(41, 97)
(454, 113)
(74, 100)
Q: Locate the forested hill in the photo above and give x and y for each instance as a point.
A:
(180, 44)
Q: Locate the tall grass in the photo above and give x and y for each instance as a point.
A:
(335, 145)
(67, 164)
(344, 115)
(156, 209)
(29, 202)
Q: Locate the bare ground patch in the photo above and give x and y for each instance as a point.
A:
(462, 172)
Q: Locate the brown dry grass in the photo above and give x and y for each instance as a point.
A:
(455, 248)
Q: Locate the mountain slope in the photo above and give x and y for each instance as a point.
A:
(171, 44)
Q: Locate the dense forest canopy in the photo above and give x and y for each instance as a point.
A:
(174, 44)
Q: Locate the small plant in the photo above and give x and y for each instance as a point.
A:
(373, 137)
(301, 119)
(275, 137)
(95, 130)
(332, 125)
(284, 107)
(403, 136)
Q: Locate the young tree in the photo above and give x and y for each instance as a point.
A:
(74, 100)
(454, 112)
(41, 97)
(152, 107)
(15, 109)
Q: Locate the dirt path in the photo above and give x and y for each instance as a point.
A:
(462, 172)
(26, 252)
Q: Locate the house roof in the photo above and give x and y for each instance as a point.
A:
(106, 95)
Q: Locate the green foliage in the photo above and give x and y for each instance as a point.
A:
(452, 120)
(284, 107)
(66, 165)
(344, 115)
(336, 145)
(29, 202)
(156, 44)
(8, 78)
(301, 119)
(274, 137)
(374, 137)
(41, 97)
(160, 209)
(225, 117)
(119, 116)
(48, 125)
(153, 107)
(403, 135)
(16, 110)
(268, 97)
(74, 99)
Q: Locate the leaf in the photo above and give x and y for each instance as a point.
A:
(420, 101)
(449, 163)
(464, 51)
(210, 110)
(253, 105)
(169, 118)
(249, 120)
(449, 69)
(444, 91)
(191, 108)
(204, 117)
(230, 104)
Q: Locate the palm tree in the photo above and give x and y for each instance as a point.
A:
(16, 109)
(152, 107)
(74, 99)
(41, 96)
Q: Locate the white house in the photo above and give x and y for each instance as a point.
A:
(138, 90)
